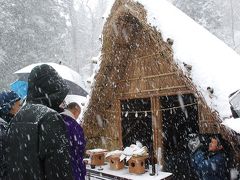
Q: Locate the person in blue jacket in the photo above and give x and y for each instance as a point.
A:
(9, 105)
(210, 165)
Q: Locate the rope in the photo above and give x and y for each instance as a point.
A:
(163, 109)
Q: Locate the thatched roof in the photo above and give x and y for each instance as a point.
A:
(133, 54)
(123, 33)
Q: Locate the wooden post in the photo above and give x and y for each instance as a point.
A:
(119, 122)
(154, 123)
(159, 126)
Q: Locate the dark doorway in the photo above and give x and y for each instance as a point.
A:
(180, 118)
(136, 122)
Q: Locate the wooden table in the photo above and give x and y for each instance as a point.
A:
(123, 174)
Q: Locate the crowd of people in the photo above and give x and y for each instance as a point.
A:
(40, 140)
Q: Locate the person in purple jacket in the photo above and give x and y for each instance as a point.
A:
(76, 138)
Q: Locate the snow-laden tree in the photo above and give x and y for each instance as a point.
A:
(49, 31)
(87, 23)
(205, 12)
(31, 31)
(220, 17)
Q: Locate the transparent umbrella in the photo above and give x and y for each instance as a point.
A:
(71, 77)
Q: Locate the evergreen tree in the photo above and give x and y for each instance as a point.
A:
(32, 31)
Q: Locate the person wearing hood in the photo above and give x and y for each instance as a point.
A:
(210, 165)
(38, 144)
(9, 105)
(76, 138)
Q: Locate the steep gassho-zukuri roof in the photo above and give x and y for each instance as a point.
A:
(213, 63)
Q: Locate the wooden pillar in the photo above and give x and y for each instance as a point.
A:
(119, 122)
(159, 126)
(201, 117)
(156, 123)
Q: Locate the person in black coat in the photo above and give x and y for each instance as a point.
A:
(9, 106)
(38, 144)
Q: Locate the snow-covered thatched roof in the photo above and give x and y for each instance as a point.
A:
(134, 58)
(213, 63)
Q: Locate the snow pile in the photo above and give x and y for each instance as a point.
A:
(97, 150)
(232, 123)
(114, 153)
(134, 150)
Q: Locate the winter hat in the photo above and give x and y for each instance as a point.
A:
(194, 142)
(46, 87)
(7, 100)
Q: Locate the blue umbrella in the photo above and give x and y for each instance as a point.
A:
(20, 87)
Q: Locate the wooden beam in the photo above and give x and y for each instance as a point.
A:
(119, 122)
(148, 77)
(158, 89)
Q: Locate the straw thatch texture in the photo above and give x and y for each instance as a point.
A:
(137, 63)
(99, 120)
